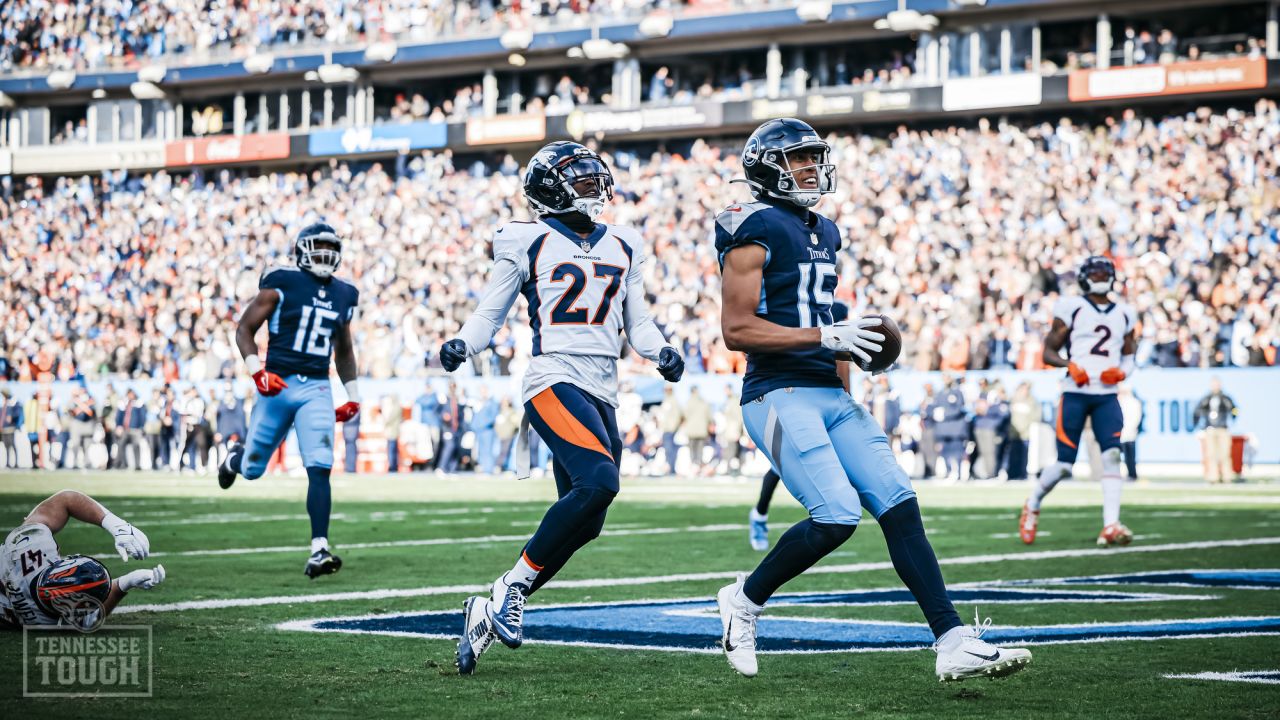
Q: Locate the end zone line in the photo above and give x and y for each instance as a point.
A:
(684, 577)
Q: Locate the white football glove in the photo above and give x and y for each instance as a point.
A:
(130, 541)
(852, 336)
(145, 579)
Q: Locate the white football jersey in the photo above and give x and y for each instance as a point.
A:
(577, 291)
(1095, 340)
(26, 551)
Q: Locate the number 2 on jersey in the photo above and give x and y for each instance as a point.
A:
(564, 313)
(314, 340)
(1097, 347)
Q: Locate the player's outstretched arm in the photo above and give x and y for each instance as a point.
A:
(344, 358)
(54, 512)
(259, 310)
(495, 304)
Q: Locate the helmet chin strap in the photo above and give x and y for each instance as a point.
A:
(592, 207)
(1097, 287)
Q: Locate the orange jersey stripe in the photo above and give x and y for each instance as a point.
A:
(564, 424)
(1062, 434)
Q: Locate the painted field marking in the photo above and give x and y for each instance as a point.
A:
(1260, 677)
(213, 604)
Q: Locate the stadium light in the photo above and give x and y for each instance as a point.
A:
(146, 91)
(380, 52)
(98, 94)
(657, 24)
(61, 79)
(971, 3)
(331, 73)
(814, 10)
(517, 39)
(259, 63)
(601, 49)
(516, 60)
(152, 73)
(6, 101)
(907, 21)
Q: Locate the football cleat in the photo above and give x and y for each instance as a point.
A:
(739, 631)
(477, 634)
(963, 654)
(1027, 524)
(1115, 534)
(506, 611)
(758, 531)
(322, 562)
(227, 476)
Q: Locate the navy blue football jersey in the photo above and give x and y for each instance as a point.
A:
(301, 329)
(797, 290)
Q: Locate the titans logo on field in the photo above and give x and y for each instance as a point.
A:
(692, 625)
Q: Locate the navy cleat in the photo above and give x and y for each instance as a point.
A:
(506, 611)
(477, 634)
(322, 562)
(227, 476)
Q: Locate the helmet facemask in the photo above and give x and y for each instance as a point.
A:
(573, 172)
(1098, 266)
(792, 188)
(320, 254)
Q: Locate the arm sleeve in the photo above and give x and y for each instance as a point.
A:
(642, 331)
(499, 295)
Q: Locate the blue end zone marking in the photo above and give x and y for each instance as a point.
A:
(693, 624)
(1262, 579)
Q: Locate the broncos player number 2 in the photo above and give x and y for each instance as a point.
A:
(816, 293)
(313, 335)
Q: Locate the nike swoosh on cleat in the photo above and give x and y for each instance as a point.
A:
(989, 658)
(728, 633)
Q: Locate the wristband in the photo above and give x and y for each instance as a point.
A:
(253, 364)
(353, 391)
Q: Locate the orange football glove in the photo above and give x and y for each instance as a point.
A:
(268, 383)
(1078, 374)
(1112, 376)
(346, 411)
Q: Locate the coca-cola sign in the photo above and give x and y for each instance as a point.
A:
(226, 149)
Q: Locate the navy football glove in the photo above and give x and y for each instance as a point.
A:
(670, 365)
(452, 354)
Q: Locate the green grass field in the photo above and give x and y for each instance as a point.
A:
(431, 539)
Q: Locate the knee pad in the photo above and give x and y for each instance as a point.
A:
(592, 500)
(1112, 459)
(822, 538)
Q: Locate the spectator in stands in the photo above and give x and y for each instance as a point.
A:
(1215, 412)
(230, 424)
(671, 418)
(195, 447)
(696, 425)
(1167, 47)
(84, 413)
(393, 417)
(484, 416)
(453, 425)
(505, 428)
(129, 422)
(11, 419)
(428, 404)
(1024, 413)
(951, 426)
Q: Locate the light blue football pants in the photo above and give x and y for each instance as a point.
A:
(306, 406)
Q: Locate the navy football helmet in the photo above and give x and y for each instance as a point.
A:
(764, 160)
(74, 589)
(318, 250)
(550, 181)
(1096, 265)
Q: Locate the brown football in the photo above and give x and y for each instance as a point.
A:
(888, 355)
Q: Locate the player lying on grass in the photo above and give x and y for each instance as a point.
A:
(41, 587)
(778, 262)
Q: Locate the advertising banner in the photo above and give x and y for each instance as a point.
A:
(584, 123)
(1176, 79)
(378, 139)
(992, 91)
(143, 155)
(507, 129)
(226, 149)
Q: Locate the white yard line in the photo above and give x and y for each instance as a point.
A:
(1261, 677)
(683, 577)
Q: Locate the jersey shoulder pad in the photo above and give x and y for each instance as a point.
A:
(515, 237)
(734, 218)
(1067, 307)
(631, 239)
(347, 287)
(276, 276)
(32, 536)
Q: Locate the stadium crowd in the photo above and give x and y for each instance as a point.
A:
(83, 34)
(965, 236)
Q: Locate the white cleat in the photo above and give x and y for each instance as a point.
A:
(738, 638)
(963, 654)
(477, 634)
